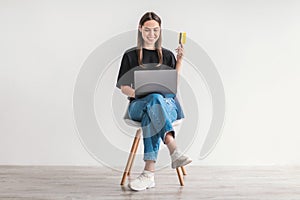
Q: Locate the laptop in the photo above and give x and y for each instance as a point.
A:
(155, 81)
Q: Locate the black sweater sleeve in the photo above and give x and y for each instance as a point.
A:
(123, 78)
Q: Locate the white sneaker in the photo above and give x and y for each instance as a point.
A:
(179, 160)
(144, 181)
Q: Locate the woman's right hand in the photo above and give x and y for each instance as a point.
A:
(127, 90)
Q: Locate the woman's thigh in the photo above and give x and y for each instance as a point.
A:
(171, 109)
(136, 109)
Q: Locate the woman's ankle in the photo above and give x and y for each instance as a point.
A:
(149, 165)
(172, 146)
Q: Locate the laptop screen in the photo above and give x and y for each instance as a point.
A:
(155, 81)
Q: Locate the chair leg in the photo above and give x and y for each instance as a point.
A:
(183, 170)
(131, 156)
(137, 137)
(180, 176)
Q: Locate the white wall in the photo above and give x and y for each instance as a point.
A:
(43, 45)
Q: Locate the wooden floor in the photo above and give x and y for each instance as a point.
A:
(46, 182)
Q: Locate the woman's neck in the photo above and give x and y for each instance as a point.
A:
(149, 47)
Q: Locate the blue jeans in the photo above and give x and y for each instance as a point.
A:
(156, 114)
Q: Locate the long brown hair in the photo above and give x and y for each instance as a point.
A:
(146, 17)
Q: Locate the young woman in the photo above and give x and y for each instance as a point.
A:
(156, 112)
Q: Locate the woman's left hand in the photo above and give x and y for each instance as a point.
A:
(180, 52)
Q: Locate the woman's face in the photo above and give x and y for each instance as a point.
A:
(150, 32)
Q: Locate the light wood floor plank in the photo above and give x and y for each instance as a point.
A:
(218, 183)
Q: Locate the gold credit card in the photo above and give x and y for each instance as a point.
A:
(182, 37)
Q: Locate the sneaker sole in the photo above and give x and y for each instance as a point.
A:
(183, 164)
(140, 189)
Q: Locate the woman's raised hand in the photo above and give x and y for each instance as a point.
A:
(180, 52)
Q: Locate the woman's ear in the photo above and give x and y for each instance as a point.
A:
(140, 28)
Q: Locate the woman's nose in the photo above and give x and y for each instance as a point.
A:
(152, 33)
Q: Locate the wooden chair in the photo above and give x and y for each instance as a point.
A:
(135, 145)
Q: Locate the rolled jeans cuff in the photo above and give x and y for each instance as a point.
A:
(150, 156)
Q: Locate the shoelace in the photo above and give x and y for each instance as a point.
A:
(142, 176)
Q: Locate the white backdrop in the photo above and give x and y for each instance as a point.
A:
(254, 45)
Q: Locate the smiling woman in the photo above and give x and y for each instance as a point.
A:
(149, 36)
(155, 111)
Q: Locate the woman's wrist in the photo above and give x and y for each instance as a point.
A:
(132, 94)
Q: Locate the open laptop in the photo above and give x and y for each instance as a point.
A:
(155, 81)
